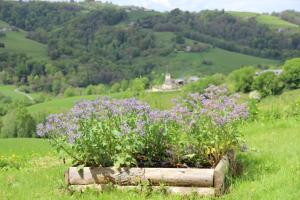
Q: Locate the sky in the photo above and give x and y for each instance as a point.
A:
(231, 5)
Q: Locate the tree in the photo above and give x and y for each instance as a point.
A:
(268, 84)
(291, 73)
(243, 79)
(18, 123)
(138, 86)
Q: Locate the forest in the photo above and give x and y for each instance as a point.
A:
(101, 46)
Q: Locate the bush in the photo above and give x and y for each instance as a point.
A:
(268, 84)
(291, 73)
(207, 62)
(18, 123)
(10, 162)
(195, 133)
(70, 92)
(243, 79)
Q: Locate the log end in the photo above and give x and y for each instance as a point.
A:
(67, 180)
(220, 174)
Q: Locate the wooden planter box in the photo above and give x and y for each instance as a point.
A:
(183, 181)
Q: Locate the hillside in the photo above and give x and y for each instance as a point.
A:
(272, 21)
(16, 42)
(98, 43)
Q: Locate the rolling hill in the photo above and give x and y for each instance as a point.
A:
(272, 21)
(16, 42)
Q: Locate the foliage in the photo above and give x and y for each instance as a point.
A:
(203, 83)
(243, 79)
(129, 133)
(291, 73)
(268, 84)
(18, 123)
(10, 162)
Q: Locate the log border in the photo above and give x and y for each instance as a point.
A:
(204, 182)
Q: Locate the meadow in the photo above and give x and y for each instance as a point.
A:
(182, 64)
(269, 20)
(16, 41)
(268, 170)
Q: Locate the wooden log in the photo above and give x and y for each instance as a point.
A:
(201, 191)
(99, 175)
(180, 176)
(133, 176)
(220, 174)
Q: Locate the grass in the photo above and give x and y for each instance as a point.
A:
(16, 42)
(184, 64)
(282, 102)
(9, 90)
(160, 100)
(190, 63)
(24, 147)
(271, 169)
(269, 20)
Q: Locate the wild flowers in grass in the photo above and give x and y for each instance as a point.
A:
(106, 132)
(9, 162)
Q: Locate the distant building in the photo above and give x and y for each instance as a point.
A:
(277, 72)
(173, 84)
(169, 83)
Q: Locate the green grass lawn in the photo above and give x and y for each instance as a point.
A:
(270, 169)
(16, 42)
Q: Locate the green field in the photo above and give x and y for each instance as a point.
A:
(271, 169)
(269, 20)
(9, 91)
(190, 63)
(16, 42)
(183, 64)
(25, 147)
(155, 100)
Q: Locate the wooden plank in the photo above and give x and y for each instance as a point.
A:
(220, 174)
(201, 191)
(133, 176)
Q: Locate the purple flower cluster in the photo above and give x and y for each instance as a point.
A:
(133, 116)
(218, 105)
(103, 108)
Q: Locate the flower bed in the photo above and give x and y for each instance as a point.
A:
(196, 133)
(183, 181)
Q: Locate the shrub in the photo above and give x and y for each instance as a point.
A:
(10, 162)
(207, 62)
(243, 79)
(195, 133)
(18, 123)
(268, 84)
(291, 73)
(203, 83)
